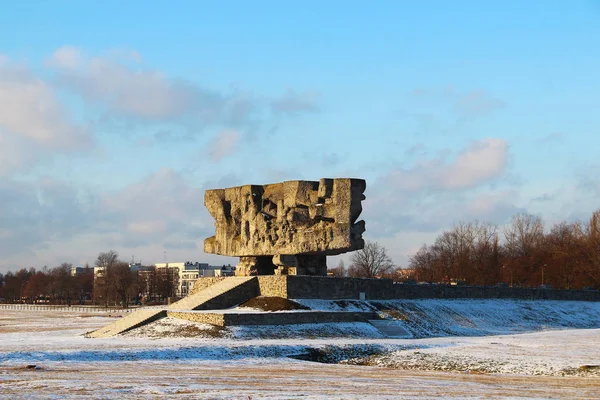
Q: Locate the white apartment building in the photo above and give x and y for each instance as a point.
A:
(188, 272)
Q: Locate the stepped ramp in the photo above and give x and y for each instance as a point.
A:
(131, 321)
(390, 328)
(226, 293)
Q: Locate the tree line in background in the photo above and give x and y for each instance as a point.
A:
(475, 253)
(113, 283)
(55, 285)
(520, 254)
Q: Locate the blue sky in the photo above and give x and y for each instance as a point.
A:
(116, 116)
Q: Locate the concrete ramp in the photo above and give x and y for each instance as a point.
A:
(390, 328)
(131, 321)
(225, 294)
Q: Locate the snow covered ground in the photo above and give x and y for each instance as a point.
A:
(439, 317)
(460, 349)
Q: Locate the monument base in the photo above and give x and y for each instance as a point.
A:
(313, 265)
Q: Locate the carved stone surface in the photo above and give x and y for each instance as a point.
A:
(267, 225)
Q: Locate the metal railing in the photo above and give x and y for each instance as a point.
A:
(75, 308)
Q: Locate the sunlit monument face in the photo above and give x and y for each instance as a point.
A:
(288, 227)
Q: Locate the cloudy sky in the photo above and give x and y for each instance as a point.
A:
(116, 116)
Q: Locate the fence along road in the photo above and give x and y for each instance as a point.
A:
(77, 308)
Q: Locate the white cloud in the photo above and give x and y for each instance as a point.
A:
(162, 207)
(118, 81)
(122, 90)
(45, 220)
(436, 192)
(39, 212)
(466, 104)
(146, 226)
(480, 162)
(223, 144)
(67, 57)
(477, 102)
(293, 103)
(497, 207)
(33, 122)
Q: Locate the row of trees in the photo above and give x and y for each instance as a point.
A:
(114, 283)
(522, 253)
(56, 285)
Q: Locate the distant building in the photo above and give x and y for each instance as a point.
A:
(225, 270)
(405, 274)
(135, 267)
(98, 271)
(76, 271)
(188, 272)
(184, 273)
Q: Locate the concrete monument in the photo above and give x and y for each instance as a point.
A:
(288, 227)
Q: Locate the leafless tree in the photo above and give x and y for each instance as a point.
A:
(339, 271)
(167, 281)
(103, 286)
(423, 262)
(523, 241)
(62, 282)
(468, 252)
(523, 235)
(107, 259)
(370, 262)
(592, 249)
(121, 279)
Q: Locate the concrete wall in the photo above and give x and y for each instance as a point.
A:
(273, 285)
(273, 318)
(483, 292)
(330, 288)
(205, 318)
(323, 287)
(311, 287)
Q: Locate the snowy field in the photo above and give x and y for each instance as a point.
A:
(459, 349)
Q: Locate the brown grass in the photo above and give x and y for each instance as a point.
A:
(187, 331)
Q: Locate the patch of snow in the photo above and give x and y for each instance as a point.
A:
(456, 317)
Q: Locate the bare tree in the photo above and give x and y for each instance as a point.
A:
(469, 252)
(107, 259)
(592, 249)
(103, 287)
(167, 282)
(339, 271)
(563, 248)
(485, 258)
(523, 235)
(423, 262)
(121, 279)
(62, 282)
(523, 241)
(370, 262)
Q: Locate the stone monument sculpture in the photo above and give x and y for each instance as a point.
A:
(288, 227)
